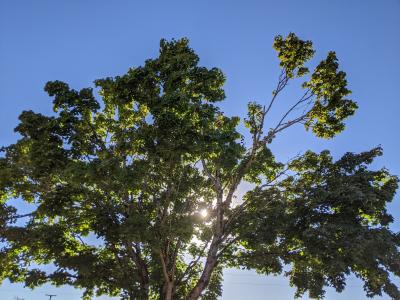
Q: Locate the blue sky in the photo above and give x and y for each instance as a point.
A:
(78, 41)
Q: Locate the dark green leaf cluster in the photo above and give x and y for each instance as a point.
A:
(104, 171)
(326, 220)
(264, 167)
(330, 88)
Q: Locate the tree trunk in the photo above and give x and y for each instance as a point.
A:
(168, 291)
(204, 279)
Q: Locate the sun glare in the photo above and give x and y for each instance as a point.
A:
(204, 213)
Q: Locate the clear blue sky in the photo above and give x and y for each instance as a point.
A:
(78, 41)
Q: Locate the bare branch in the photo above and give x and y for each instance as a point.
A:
(282, 82)
(164, 267)
(283, 125)
(174, 258)
(303, 99)
(216, 181)
(192, 264)
(23, 216)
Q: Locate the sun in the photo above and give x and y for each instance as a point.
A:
(204, 213)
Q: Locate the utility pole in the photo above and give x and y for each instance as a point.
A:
(50, 296)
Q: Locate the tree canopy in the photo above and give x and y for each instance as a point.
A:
(133, 186)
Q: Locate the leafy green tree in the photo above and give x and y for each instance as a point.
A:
(150, 171)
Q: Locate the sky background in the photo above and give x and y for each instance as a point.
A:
(78, 41)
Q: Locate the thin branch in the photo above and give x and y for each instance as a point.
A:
(282, 82)
(23, 216)
(175, 257)
(141, 265)
(192, 264)
(303, 99)
(226, 246)
(164, 267)
(283, 125)
(216, 181)
(246, 163)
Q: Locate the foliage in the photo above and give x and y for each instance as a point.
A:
(119, 184)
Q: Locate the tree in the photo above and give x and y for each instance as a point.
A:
(150, 173)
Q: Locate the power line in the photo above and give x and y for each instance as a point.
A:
(50, 296)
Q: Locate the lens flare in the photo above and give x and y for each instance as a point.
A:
(204, 213)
